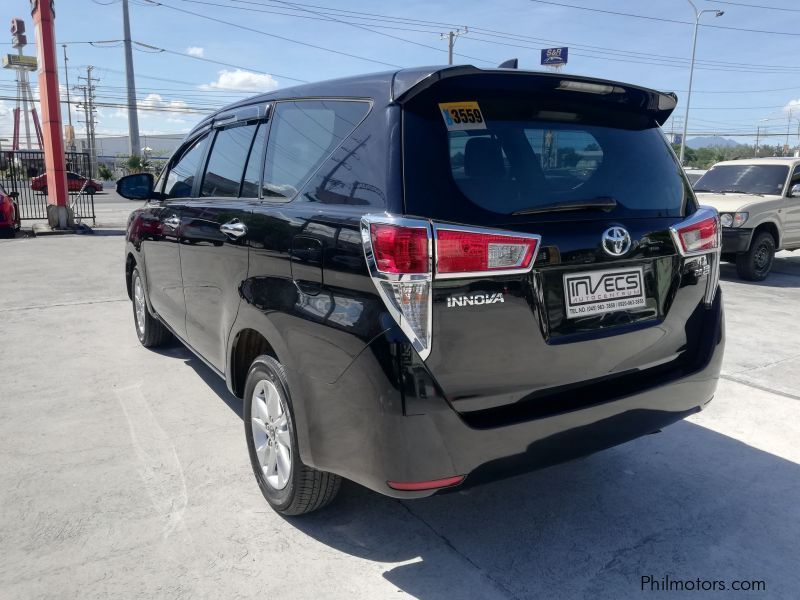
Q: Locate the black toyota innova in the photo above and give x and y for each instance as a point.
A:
(423, 279)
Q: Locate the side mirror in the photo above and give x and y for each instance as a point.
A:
(138, 186)
(795, 191)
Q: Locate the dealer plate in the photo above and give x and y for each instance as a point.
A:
(597, 292)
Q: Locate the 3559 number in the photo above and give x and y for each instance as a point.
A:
(466, 115)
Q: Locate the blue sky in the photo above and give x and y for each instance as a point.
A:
(730, 93)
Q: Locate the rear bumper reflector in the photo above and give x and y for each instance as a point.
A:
(415, 486)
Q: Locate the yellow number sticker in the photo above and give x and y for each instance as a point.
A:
(460, 116)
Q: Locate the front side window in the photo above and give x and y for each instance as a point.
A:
(227, 161)
(180, 177)
(303, 134)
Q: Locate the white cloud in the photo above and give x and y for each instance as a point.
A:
(793, 105)
(240, 80)
(195, 51)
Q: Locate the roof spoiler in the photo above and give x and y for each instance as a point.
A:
(409, 83)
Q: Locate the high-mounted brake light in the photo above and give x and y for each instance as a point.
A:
(699, 240)
(467, 251)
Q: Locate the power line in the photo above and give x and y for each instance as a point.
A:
(329, 14)
(327, 17)
(663, 19)
(218, 62)
(273, 35)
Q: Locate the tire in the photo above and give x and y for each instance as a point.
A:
(44, 191)
(755, 264)
(272, 440)
(151, 332)
(89, 189)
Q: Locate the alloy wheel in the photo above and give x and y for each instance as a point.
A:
(139, 305)
(271, 435)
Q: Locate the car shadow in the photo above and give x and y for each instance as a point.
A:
(687, 503)
(177, 350)
(785, 273)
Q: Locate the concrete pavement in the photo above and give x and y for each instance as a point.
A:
(125, 473)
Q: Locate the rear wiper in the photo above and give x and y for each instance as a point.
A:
(709, 191)
(605, 203)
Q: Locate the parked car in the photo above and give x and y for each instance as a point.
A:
(694, 174)
(759, 204)
(415, 282)
(9, 213)
(75, 183)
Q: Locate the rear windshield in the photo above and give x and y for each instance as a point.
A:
(744, 179)
(498, 156)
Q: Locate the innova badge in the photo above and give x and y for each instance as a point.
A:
(616, 241)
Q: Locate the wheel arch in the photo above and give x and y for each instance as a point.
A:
(770, 227)
(245, 347)
(130, 265)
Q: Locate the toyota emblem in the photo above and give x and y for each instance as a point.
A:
(616, 241)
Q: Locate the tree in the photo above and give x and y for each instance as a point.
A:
(104, 173)
(138, 164)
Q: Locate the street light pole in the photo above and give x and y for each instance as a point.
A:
(697, 15)
(69, 107)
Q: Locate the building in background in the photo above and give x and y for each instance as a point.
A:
(116, 147)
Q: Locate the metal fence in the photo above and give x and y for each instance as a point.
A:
(23, 172)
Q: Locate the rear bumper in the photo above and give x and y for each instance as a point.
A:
(366, 429)
(735, 240)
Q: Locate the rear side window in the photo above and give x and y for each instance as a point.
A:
(303, 134)
(180, 178)
(227, 161)
(252, 174)
(530, 152)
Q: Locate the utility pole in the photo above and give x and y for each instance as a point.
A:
(788, 126)
(71, 132)
(451, 41)
(133, 115)
(89, 110)
(758, 132)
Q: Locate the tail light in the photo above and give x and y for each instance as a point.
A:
(400, 257)
(699, 240)
(400, 249)
(398, 253)
(468, 252)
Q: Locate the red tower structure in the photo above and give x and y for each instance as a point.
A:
(44, 18)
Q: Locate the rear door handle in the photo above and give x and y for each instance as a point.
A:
(173, 222)
(234, 228)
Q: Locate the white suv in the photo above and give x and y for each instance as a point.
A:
(759, 204)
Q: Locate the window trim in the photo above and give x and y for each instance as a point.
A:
(273, 201)
(178, 154)
(207, 158)
(793, 172)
